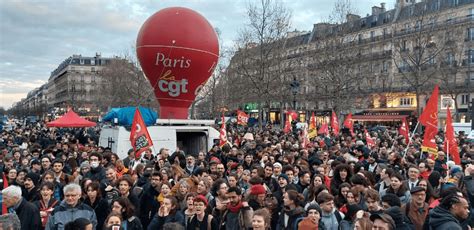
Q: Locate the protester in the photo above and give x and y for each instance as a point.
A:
(326, 184)
(70, 209)
(28, 214)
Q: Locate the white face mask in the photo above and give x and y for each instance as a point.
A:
(94, 164)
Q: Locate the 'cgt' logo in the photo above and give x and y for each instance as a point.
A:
(174, 88)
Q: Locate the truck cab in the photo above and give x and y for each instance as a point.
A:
(191, 136)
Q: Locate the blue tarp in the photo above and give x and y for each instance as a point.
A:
(125, 115)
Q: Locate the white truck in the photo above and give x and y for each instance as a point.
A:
(191, 136)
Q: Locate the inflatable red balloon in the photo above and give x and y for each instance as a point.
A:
(178, 51)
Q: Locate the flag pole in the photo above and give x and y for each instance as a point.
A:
(409, 140)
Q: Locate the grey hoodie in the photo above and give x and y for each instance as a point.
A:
(442, 219)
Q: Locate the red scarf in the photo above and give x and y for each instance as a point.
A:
(234, 209)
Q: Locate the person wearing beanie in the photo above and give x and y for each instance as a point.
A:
(277, 167)
(30, 190)
(348, 222)
(311, 221)
(257, 189)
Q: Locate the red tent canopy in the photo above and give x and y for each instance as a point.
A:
(70, 120)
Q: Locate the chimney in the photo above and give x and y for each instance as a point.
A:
(382, 5)
(352, 17)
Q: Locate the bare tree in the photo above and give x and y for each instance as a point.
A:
(416, 50)
(260, 49)
(123, 84)
(335, 69)
(452, 78)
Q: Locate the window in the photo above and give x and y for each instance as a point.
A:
(470, 56)
(384, 67)
(418, 25)
(464, 99)
(372, 36)
(450, 59)
(406, 28)
(470, 34)
(360, 38)
(406, 101)
(471, 13)
(385, 32)
(403, 46)
(471, 76)
(436, 4)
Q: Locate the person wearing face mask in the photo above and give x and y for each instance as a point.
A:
(97, 172)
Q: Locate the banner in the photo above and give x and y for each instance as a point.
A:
(223, 133)
(324, 129)
(139, 136)
(368, 139)
(242, 118)
(312, 132)
(288, 128)
(450, 142)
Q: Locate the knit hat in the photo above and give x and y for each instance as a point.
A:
(34, 177)
(200, 198)
(35, 162)
(284, 177)
(257, 189)
(85, 164)
(313, 207)
(277, 164)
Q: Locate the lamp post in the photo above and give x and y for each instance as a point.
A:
(295, 88)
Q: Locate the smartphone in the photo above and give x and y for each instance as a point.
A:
(116, 227)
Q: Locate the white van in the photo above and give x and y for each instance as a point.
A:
(466, 127)
(191, 136)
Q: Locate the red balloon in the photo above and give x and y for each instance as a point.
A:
(178, 51)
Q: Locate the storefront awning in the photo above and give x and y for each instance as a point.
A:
(379, 117)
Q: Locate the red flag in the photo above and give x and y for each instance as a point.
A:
(324, 129)
(349, 124)
(334, 124)
(450, 143)
(242, 118)
(139, 136)
(403, 130)
(223, 133)
(288, 127)
(429, 118)
(312, 132)
(293, 114)
(368, 139)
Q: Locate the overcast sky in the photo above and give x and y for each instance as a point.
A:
(37, 35)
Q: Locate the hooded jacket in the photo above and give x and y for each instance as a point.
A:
(441, 219)
(293, 215)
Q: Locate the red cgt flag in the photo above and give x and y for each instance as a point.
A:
(334, 124)
(368, 139)
(450, 143)
(242, 118)
(349, 124)
(403, 130)
(305, 137)
(324, 129)
(223, 133)
(139, 136)
(429, 116)
(429, 119)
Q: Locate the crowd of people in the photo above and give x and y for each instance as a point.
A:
(262, 179)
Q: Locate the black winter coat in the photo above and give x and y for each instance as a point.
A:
(101, 209)
(148, 205)
(29, 216)
(441, 219)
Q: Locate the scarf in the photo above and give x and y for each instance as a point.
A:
(234, 209)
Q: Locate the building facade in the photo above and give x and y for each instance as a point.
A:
(381, 67)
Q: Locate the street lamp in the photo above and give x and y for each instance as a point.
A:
(295, 88)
